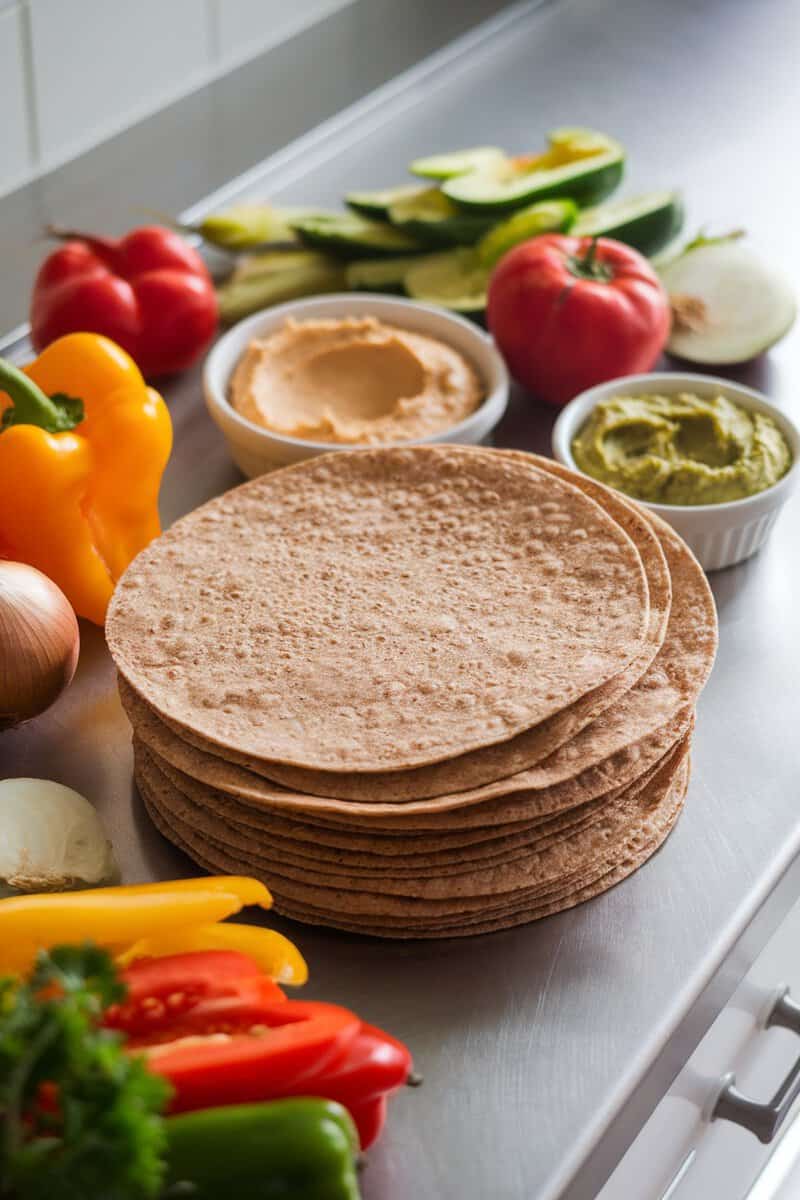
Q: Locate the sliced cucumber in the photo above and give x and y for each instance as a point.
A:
(455, 279)
(248, 225)
(579, 164)
(380, 274)
(348, 235)
(458, 162)
(433, 219)
(648, 223)
(377, 204)
(240, 297)
(272, 262)
(548, 216)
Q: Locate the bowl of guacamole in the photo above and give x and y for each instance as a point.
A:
(713, 458)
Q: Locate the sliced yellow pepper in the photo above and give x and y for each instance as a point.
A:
(275, 954)
(119, 916)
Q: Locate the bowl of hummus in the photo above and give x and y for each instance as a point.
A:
(351, 371)
(713, 458)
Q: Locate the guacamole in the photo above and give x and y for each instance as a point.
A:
(681, 449)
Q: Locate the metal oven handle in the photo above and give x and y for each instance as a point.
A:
(764, 1120)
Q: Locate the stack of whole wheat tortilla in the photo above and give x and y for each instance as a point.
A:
(422, 692)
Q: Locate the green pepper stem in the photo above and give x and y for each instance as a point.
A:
(31, 406)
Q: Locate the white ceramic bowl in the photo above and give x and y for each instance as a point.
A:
(256, 450)
(719, 534)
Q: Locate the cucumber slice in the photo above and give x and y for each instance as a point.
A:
(648, 223)
(548, 216)
(271, 262)
(431, 218)
(380, 274)
(376, 205)
(248, 225)
(579, 164)
(454, 279)
(348, 235)
(458, 162)
(240, 297)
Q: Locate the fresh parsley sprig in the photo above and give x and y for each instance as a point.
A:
(79, 1118)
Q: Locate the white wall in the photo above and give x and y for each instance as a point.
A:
(73, 72)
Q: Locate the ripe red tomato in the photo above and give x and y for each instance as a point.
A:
(569, 312)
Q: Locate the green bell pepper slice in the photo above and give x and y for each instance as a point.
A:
(294, 1149)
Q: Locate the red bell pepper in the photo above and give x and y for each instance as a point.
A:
(149, 291)
(374, 1066)
(189, 994)
(223, 1033)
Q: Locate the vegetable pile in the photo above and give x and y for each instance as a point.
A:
(183, 1069)
(438, 240)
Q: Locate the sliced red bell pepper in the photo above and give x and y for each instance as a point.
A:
(223, 1033)
(375, 1065)
(291, 1041)
(210, 991)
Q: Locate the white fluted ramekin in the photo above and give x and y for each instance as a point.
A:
(256, 450)
(719, 534)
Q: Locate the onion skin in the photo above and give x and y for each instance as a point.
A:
(39, 643)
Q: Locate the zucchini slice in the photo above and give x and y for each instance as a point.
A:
(579, 164)
(348, 235)
(376, 205)
(248, 225)
(648, 223)
(454, 279)
(380, 274)
(548, 216)
(458, 162)
(240, 296)
(430, 217)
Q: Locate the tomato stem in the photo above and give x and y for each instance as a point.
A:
(587, 266)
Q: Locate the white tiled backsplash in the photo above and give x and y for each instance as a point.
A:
(73, 72)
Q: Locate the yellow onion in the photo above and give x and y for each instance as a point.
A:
(39, 643)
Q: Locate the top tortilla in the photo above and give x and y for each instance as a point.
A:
(379, 610)
(492, 763)
(668, 688)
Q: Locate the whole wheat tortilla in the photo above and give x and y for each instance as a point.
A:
(489, 918)
(258, 849)
(669, 687)
(496, 921)
(479, 766)
(381, 609)
(528, 813)
(627, 821)
(503, 759)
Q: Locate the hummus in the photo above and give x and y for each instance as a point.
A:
(681, 449)
(354, 381)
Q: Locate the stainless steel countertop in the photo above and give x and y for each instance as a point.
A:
(533, 1042)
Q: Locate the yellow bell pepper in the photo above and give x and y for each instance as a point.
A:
(117, 917)
(83, 445)
(275, 954)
